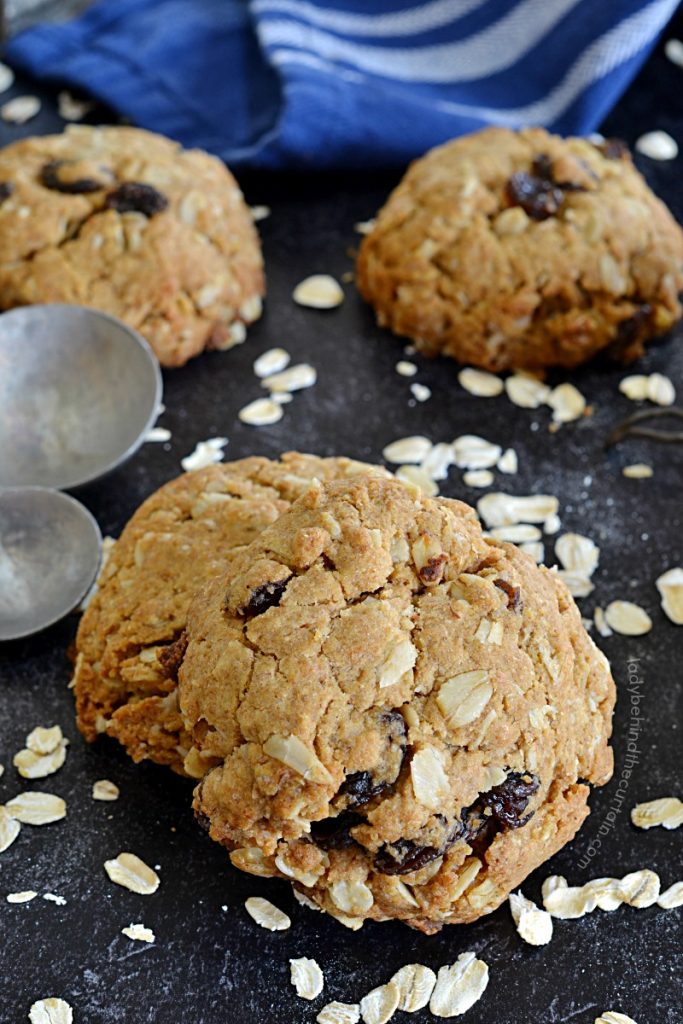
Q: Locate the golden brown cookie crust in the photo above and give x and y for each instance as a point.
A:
(129, 642)
(187, 273)
(393, 711)
(455, 263)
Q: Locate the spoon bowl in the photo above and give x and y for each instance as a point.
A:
(78, 392)
(50, 549)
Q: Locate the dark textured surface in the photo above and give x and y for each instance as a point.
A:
(210, 963)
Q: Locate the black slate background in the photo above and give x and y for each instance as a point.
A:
(210, 963)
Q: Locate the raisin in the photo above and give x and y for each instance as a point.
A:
(53, 176)
(613, 149)
(630, 332)
(6, 190)
(432, 572)
(335, 833)
(203, 820)
(136, 197)
(538, 197)
(513, 594)
(171, 657)
(360, 787)
(405, 855)
(268, 595)
(500, 809)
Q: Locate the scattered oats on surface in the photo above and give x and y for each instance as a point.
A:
(273, 361)
(320, 291)
(578, 554)
(52, 897)
(497, 509)
(408, 449)
(638, 471)
(534, 925)
(534, 548)
(640, 888)
(657, 145)
(303, 375)
(420, 392)
(418, 478)
(473, 452)
(415, 984)
(478, 478)
(627, 618)
(459, 986)
(660, 389)
(613, 1017)
(205, 454)
(380, 1005)
(671, 897)
(601, 623)
(70, 108)
(6, 77)
(339, 1013)
(306, 977)
(526, 391)
(158, 434)
(634, 387)
(670, 587)
(21, 897)
(516, 534)
(551, 883)
(405, 368)
(281, 397)
(262, 412)
(577, 583)
(104, 789)
(37, 766)
(9, 829)
(553, 524)
(259, 213)
(266, 914)
(567, 403)
(666, 811)
(43, 741)
(364, 227)
(36, 808)
(480, 382)
(437, 461)
(51, 1011)
(305, 901)
(20, 109)
(139, 932)
(2, 770)
(132, 873)
(508, 462)
(569, 902)
(674, 51)
(607, 893)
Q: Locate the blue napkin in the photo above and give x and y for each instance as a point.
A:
(337, 83)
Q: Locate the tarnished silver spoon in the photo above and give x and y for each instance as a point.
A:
(50, 550)
(78, 392)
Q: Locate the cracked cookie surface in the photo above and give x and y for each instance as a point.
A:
(130, 223)
(396, 713)
(130, 639)
(522, 249)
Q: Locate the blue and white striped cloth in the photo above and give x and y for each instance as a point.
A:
(347, 82)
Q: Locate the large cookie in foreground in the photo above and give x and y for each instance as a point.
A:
(130, 223)
(402, 716)
(524, 250)
(130, 638)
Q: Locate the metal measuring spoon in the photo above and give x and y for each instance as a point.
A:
(78, 392)
(50, 549)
